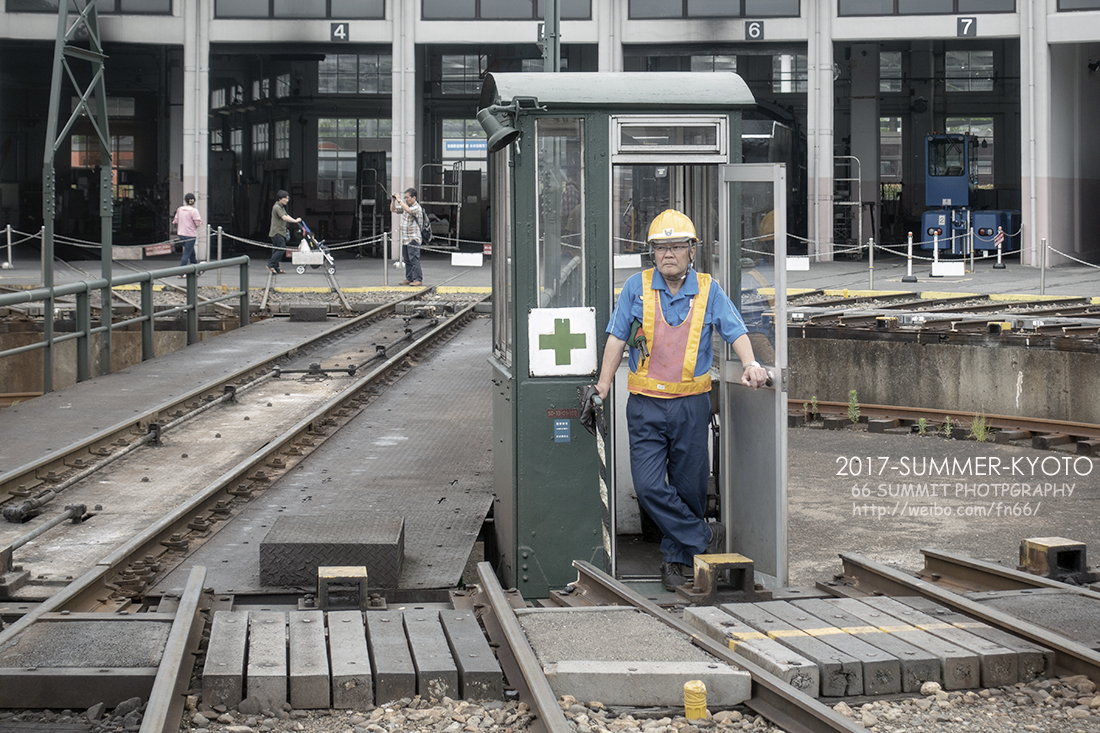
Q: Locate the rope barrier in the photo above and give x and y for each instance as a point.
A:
(1071, 257)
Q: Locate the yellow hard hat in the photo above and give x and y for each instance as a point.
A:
(671, 226)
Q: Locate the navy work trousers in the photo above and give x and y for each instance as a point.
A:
(669, 463)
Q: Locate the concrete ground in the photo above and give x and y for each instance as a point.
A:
(887, 496)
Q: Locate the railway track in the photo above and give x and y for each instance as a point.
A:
(1073, 318)
(78, 475)
(45, 561)
(959, 583)
(1041, 433)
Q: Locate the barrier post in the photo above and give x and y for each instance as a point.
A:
(1043, 266)
(219, 252)
(970, 240)
(999, 240)
(935, 253)
(386, 259)
(8, 265)
(871, 259)
(909, 277)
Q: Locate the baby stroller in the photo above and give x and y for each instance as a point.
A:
(313, 253)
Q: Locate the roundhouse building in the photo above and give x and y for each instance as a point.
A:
(342, 101)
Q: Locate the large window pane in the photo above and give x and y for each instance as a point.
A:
(150, 7)
(890, 157)
(987, 6)
(716, 62)
(560, 151)
(866, 7)
(570, 9)
(1078, 5)
(656, 9)
(241, 8)
(789, 73)
(504, 9)
(968, 71)
(103, 7)
(772, 8)
(460, 74)
(713, 9)
(889, 71)
(339, 141)
(450, 9)
(350, 9)
(926, 7)
(300, 9)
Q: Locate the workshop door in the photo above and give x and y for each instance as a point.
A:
(753, 467)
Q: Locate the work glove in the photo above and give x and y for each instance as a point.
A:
(591, 413)
(637, 339)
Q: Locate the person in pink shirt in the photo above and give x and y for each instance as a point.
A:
(187, 221)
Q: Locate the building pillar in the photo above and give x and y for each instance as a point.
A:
(407, 121)
(609, 18)
(819, 122)
(197, 16)
(1035, 131)
(865, 131)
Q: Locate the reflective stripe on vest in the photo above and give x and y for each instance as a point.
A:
(673, 350)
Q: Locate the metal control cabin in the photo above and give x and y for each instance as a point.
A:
(580, 164)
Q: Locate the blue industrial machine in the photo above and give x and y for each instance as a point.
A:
(949, 182)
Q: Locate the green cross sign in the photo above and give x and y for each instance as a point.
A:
(562, 341)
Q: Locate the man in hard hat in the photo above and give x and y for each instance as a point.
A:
(674, 309)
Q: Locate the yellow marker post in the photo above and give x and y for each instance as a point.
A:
(695, 700)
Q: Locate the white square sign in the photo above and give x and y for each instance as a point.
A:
(562, 342)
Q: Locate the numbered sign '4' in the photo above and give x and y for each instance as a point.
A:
(339, 33)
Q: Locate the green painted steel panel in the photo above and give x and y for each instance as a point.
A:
(617, 91)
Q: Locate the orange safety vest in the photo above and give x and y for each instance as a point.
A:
(673, 350)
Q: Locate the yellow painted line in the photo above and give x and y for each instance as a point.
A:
(1095, 301)
(481, 289)
(746, 635)
(936, 295)
(786, 634)
(826, 631)
(862, 630)
(1021, 296)
(895, 629)
(851, 293)
(935, 627)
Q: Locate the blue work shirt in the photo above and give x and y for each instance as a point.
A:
(720, 314)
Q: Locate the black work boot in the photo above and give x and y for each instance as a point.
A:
(717, 544)
(674, 575)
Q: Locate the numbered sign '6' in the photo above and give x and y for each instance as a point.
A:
(754, 30)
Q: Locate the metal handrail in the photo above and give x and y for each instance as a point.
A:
(85, 330)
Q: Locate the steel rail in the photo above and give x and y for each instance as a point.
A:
(21, 512)
(543, 700)
(951, 568)
(165, 707)
(93, 590)
(872, 578)
(1006, 422)
(787, 707)
(26, 474)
